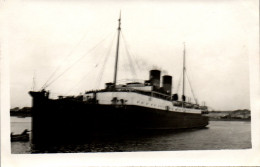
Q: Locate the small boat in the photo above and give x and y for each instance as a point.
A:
(24, 136)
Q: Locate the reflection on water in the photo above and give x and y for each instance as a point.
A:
(218, 135)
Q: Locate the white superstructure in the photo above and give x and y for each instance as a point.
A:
(137, 99)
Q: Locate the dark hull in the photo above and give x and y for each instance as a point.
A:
(70, 120)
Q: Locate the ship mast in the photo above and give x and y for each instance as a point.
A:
(183, 78)
(117, 48)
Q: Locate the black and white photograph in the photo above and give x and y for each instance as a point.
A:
(112, 77)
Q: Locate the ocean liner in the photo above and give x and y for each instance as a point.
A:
(116, 108)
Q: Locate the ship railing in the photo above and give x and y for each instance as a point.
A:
(161, 95)
(186, 105)
(124, 89)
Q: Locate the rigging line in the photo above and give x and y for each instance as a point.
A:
(99, 59)
(134, 57)
(85, 76)
(191, 88)
(82, 79)
(129, 58)
(105, 62)
(92, 49)
(56, 70)
(179, 83)
(70, 53)
(131, 62)
(136, 62)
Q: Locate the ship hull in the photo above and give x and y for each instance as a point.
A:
(70, 120)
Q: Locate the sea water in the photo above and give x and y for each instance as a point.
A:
(218, 135)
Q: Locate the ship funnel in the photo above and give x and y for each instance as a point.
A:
(155, 76)
(167, 84)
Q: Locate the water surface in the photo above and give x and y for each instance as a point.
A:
(218, 135)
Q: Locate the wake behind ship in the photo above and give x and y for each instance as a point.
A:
(117, 108)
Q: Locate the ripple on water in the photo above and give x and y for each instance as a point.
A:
(218, 135)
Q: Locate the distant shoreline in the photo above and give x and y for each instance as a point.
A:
(236, 115)
(210, 119)
(21, 112)
(222, 119)
(21, 115)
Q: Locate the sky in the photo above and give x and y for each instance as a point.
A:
(75, 42)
